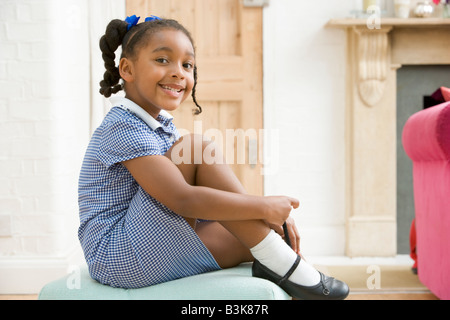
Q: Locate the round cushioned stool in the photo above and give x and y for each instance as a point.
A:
(229, 284)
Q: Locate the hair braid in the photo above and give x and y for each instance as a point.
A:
(115, 32)
(194, 98)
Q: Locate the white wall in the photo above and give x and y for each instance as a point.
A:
(45, 113)
(304, 98)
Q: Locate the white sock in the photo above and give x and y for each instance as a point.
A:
(276, 255)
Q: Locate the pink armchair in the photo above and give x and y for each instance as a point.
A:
(426, 139)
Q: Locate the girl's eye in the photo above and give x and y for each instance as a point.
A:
(188, 65)
(162, 60)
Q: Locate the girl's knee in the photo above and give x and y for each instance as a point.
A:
(195, 149)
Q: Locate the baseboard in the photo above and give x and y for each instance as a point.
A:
(27, 275)
(399, 260)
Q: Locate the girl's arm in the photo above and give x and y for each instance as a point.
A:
(162, 179)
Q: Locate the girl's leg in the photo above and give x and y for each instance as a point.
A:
(275, 258)
(226, 249)
(229, 242)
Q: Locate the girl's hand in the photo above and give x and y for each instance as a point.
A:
(278, 208)
(277, 213)
(293, 234)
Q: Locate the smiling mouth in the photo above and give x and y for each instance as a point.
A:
(176, 89)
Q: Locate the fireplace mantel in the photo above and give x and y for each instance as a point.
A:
(392, 22)
(373, 57)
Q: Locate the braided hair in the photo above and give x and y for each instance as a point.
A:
(131, 41)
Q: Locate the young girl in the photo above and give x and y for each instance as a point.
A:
(139, 208)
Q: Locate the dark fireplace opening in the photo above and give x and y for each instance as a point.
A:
(433, 100)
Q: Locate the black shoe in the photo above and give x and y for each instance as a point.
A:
(327, 289)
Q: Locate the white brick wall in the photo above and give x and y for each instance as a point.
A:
(44, 128)
(45, 119)
(43, 125)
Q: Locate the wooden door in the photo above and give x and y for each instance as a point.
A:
(228, 40)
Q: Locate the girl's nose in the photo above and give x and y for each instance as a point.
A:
(177, 71)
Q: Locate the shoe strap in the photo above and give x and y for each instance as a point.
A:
(286, 235)
(290, 272)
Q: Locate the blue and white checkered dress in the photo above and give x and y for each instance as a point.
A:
(129, 239)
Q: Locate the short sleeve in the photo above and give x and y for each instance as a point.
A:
(125, 139)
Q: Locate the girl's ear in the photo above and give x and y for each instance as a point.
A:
(126, 70)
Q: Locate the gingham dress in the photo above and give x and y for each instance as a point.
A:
(129, 239)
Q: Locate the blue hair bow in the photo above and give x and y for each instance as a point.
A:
(133, 20)
(151, 18)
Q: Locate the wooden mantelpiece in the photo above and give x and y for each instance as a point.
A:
(393, 22)
(373, 58)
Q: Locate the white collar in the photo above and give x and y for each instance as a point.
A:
(132, 107)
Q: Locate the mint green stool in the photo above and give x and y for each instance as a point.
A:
(229, 284)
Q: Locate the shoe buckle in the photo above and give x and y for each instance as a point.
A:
(325, 290)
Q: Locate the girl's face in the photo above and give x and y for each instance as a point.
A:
(162, 74)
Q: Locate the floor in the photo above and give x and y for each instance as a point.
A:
(19, 297)
(393, 296)
(376, 278)
(356, 296)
